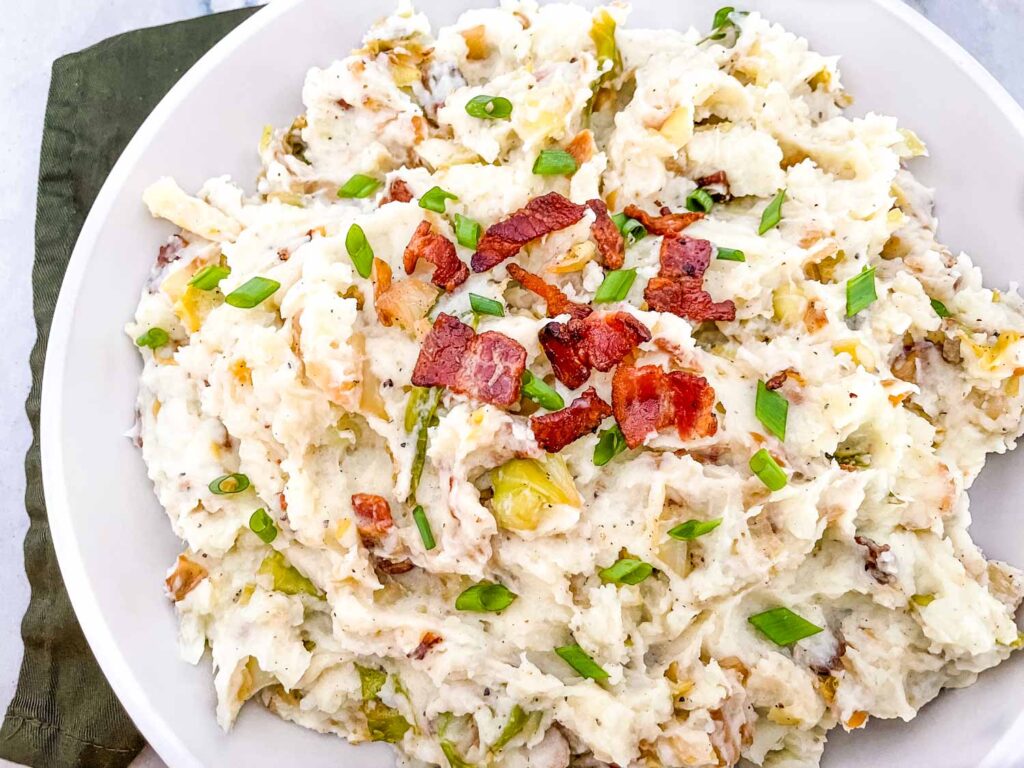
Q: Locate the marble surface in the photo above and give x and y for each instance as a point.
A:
(31, 36)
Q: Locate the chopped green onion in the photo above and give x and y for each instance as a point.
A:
(467, 231)
(765, 467)
(782, 626)
(771, 409)
(451, 754)
(485, 597)
(922, 600)
(384, 723)
(434, 199)
(615, 286)
(420, 516)
(228, 484)
(209, 277)
(609, 445)
(359, 185)
(489, 107)
(730, 254)
(359, 250)
(700, 201)
(631, 229)
(579, 660)
(554, 162)
(263, 526)
(693, 529)
(413, 407)
(252, 293)
(722, 23)
(426, 415)
(602, 33)
(541, 392)
(940, 308)
(773, 213)
(287, 577)
(371, 681)
(153, 338)
(484, 306)
(860, 292)
(626, 571)
(517, 720)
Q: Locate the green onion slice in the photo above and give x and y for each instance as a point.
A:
(631, 229)
(693, 529)
(771, 409)
(359, 250)
(554, 162)
(485, 597)
(153, 338)
(227, 484)
(489, 107)
(209, 277)
(484, 306)
(263, 526)
(517, 720)
(615, 286)
(434, 199)
(426, 414)
(773, 213)
(782, 626)
(541, 392)
(359, 186)
(467, 231)
(609, 445)
(626, 571)
(700, 201)
(579, 660)
(860, 292)
(765, 467)
(252, 292)
(423, 524)
(730, 254)
(940, 308)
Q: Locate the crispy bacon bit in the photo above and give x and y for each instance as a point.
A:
(487, 367)
(667, 225)
(541, 216)
(561, 344)
(557, 302)
(647, 399)
(556, 430)
(717, 184)
(609, 240)
(373, 517)
(600, 341)
(449, 271)
(427, 641)
(872, 560)
(392, 567)
(184, 577)
(582, 146)
(679, 286)
(776, 381)
(684, 257)
(398, 192)
(170, 251)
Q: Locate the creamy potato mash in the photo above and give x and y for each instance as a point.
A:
(570, 394)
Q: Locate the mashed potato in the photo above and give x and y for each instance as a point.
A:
(406, 563)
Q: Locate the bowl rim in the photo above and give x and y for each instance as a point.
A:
(171, 747)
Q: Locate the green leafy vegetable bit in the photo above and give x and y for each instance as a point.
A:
(467, 231)
(428, 412)
(359, 186)
(414, 407)
(371, 681)
(782, 626)
(154, 338)
(263, 526)
(773, 213)
(287, 578)
(227, 484)
(602, 33)
(554, 162)
(485, 597)
(626, 571)
(631, 230)
(359, 250)
(293, 142)
(860, 292)
(580, 661)
(723, 23)
(489, 107)
(434, 199)
(517, 720)
(384, 723)
(700, 201)
(455, 760)
(730, 254)
(772, 410)
(940, 308)
(209, 277)
(767, 469)
(693, 529)
(609, 445)
(423, 524)
(541, 392)
(252, 293)
(922, 600)
(484, 306)
(615, 286)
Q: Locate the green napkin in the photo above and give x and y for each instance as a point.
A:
(64, 713)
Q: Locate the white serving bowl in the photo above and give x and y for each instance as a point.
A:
(112, 538)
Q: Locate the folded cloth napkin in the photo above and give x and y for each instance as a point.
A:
(64, 713)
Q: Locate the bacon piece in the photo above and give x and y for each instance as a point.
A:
(561, 344)
(170, 251)
(557, 302)
(427, 641)
(667, 225)
(184, 577)
(488, 367)
(873, 559)
(684, 257)
(554, 431)
(647, 399)
(398, 192)
(609, 240)
(688, 299)
(582, 147)
(392, 567)
(541, 216)
(449, 271)
(599, 341)
(373, 517)
(717, 184)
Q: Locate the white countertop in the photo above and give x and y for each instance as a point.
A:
(31, 36)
